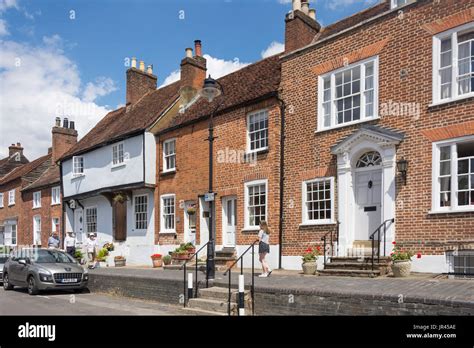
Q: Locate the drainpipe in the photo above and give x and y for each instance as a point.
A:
(282, 175)
(63, 207)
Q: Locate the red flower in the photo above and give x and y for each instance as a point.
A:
(394, 243)
(318, 247)
(309, 250)
(418, 256)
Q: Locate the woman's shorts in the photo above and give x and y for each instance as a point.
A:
(263, 248)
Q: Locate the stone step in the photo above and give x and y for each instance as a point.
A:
(217, 306)
(189, 266)
(356, 265)
(202, 312)
(218, 293)
(341, 272)
(343, 259)
(226, 252)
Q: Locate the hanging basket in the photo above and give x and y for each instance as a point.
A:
(119, 198)
(191, 211)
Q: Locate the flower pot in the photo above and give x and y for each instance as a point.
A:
(191, 251)
(157, 263)
(120, 263)
(182, 256)
(310, 268)
(401, 268)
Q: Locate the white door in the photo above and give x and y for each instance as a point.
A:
(203, 222)
(190, 212)
(37, 230)
(79, 225)
(229, 214)
(368, 185)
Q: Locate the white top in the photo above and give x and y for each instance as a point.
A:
(90, 245)
(69, 241)
(264, 237)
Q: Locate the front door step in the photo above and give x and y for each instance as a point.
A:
(214, 301)
(350, 273)
(357, 266)
(225, 258)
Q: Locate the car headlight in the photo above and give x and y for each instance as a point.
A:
(85, 276)
(44, 277)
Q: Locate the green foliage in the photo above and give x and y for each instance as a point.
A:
(311, 254)
(102, 254)
(78, 254)
(167, 259)
(398, 254)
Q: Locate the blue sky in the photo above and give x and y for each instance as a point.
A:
(76, 66)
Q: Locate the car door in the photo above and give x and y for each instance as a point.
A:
(12, 268)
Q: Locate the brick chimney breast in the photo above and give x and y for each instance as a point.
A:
(63, 139)
(139, 82)
(193, 73)
(300, 27)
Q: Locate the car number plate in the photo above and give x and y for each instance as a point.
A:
(72, 280)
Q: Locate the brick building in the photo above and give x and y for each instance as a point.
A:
(30, 206)
(246, 159)
(381, 127)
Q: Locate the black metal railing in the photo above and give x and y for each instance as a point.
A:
(333, 237)
(461, 264)
(252, 286)
(193, 293)
(378, 231)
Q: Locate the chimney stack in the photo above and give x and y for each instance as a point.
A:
(63, 138)
(15, 148)
(193, 72)
(139, 81)
(300, 27)
(312, 13)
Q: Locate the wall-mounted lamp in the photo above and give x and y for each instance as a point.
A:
(402, 167)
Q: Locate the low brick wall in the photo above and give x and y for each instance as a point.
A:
(270, 301)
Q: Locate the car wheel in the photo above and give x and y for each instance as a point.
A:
(6, 283)
(32, 288)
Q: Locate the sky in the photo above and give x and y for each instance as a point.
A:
(68, 58)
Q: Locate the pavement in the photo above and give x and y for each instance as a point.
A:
(418, 287)
(18, 302)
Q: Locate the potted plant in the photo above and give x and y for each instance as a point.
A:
(109, 246)
(167, 260)
(119, 261)
(157, 260)
(191, 210)
(401, 261)
(190, 248)
(119, 198)
(78, 255)
(310, 257)
(102, 257)
(182, 255)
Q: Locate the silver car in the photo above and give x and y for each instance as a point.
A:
(43, 269)
(3, 259)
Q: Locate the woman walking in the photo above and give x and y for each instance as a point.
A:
(264, 248)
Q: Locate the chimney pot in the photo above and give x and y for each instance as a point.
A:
(312, 13)
(296, 5)
(65, 123)
(134, 62)
(18, 144)
(189, 52)
(149, 69)
(198, 48)
(58, 122)
(142, 65)
(305, 7)
(71, 125)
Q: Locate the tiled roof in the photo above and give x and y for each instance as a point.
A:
(49, 177)
(7, 164)
(250, 83)
(30, 171)
(349, 22)
(128, 120)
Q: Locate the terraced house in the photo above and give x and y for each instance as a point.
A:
(381, 141)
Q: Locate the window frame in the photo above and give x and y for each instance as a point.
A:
(248, 184)
(163, 230)
(55, 192)
(165, 156)
(332, 75)
(36, 199)
(86, 223)
(35, 240)
(304, 209)
(75, 173)
(11, 197)
(435, 184)
(53, 224)
(249, 140)
(393, 3)
(116, 150)
(436, 79)
(136, 221)
(1, 199)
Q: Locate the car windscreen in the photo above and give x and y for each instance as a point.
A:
(51, 256)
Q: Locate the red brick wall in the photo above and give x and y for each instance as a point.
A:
(191, 177)
(14, 211)
(408, 47)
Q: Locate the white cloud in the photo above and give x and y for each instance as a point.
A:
(3, 28)
(274, 48)
(336, 4)
(38, 83)
(6, 4)
(215, 67)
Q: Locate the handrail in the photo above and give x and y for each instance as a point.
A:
(332, 241)
(372, 237)
(252, 287)
(183, 266)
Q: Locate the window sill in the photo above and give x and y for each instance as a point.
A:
(347, 124)
(116, 166)
(249, 154)
(11, 205)
(317, 223)
(250, 229)
(168, 172)
(465, 210)
(452, 100)
(167, 232)
(54, 204)
(34, 208)
(77, 176)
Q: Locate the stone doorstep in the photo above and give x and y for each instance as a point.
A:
(355, 265)
(215, 306)
(221, 293)
(365, 259)
(351, 273)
